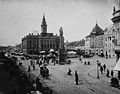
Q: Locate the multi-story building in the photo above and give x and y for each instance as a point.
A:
(97, 39)
(44, 41)
(87, 44)
(116, 25)
(112, 35)
(110, 41)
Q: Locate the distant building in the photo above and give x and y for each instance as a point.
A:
(33, 43)
(97, 39)
(87, 44)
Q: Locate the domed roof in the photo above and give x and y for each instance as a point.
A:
(96, 30)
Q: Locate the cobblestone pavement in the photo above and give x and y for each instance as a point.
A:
(88, 82)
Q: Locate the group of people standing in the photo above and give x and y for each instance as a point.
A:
(104, 69)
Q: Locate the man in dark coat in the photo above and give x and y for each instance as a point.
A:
(107, 73)
(104, 67)
(101, 69)
(69, 72)
(29, 69)
(76, 77)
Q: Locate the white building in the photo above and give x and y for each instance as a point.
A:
(87, 44)
(110, 35)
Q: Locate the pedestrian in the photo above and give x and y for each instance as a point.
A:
(39, 85)
(101, 69)
(107, 73)
(46, 71)
(112, 73)
(54, 62)
(85, 62)
(31, 62)
(80, 59)
(88, 62)
(69, 72)
(76, 77)
(29, 68)
(104, 67)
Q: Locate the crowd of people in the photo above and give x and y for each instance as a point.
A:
(27, 84)
(42, 63)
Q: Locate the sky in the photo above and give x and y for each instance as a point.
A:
(77, 17)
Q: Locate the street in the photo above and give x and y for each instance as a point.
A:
(60, 82)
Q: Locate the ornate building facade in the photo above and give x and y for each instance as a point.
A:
(110, 41)
(112, 34)
(97, 39)
(116, 25)
(44, 41)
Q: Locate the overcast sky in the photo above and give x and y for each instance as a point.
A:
(77, 17)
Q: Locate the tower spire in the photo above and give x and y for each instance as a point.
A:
(96, 22)
(43, 20)
(114, 9)
(44, 25)
(43, 15)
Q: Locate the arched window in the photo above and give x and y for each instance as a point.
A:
(47, 45)
(41, 45)
(50, 45)
(53, 45)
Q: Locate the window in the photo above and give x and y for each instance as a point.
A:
(50, 45)
(110, 38)
(45, 45)
(106, 44)
(42, 45)
(53, 45)
(105, 38)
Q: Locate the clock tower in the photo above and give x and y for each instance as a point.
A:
(44, 25)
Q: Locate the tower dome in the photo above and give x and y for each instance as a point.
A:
(116, 14)
(96, 30)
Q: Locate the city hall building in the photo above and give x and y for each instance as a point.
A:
(34, 43)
